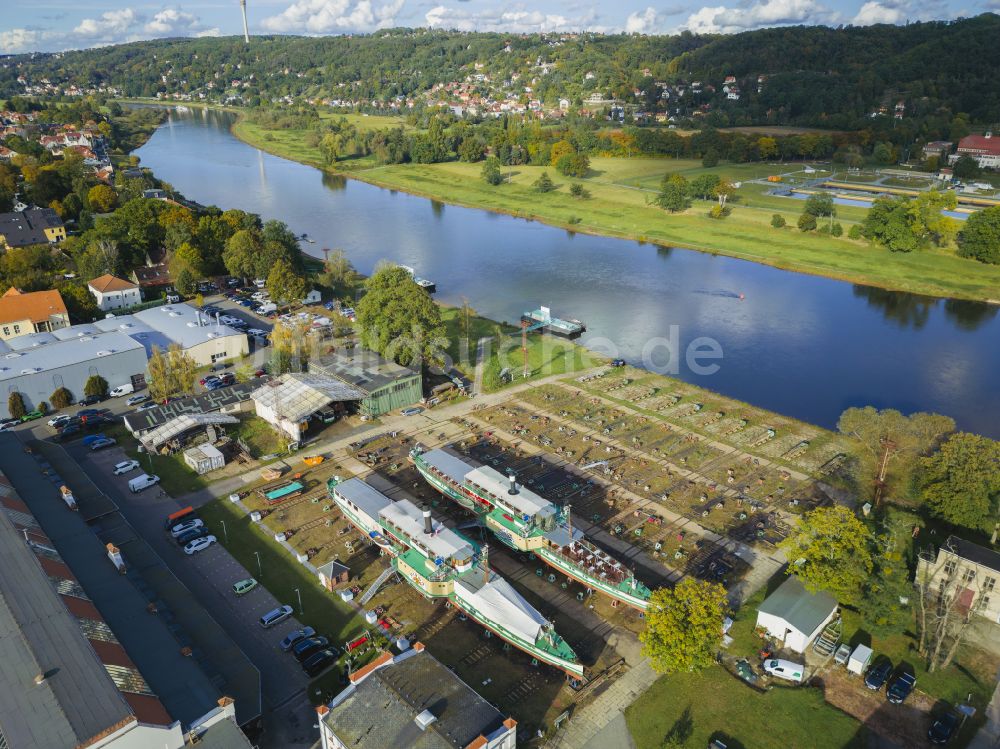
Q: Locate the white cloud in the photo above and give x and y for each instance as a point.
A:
(173, 21)
(515, 20)
(874, 12)
(325, 16)
(112, 26)
(723, 20)
(643, 22)
(14, 41)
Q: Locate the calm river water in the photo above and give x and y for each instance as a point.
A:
(800, 345)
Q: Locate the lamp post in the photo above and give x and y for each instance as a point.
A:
(260, 570)
(225, 533)
(297, 593)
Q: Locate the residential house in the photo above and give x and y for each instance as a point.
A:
(6, 154)
(939, 148)
(985, 149)
(34, 312)
(412, 700)
(154, 280)
(114, 293)
(30, 226)
(968, 573)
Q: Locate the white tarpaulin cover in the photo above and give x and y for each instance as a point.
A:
(498, 601)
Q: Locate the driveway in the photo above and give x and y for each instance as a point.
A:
(209, 575)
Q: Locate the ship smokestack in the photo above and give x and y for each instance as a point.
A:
(428, 523)
(513, 482)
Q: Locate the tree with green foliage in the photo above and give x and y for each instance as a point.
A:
(906, 437)
(777, 221)
(61, 398)
(831, 550)
(807, 222)
(185, 283)
(241, 252)
(960, 483)
(101, 198)
(95, 385)
(339, 275)
(285, 285)
(966, 167)
(579, 192)
(491, 171)
(979, 237)
(80, 303)
(836, 229)
(711, 159)
(15, 405)
(684, 626)
(171, 372)
(887, 223)
(819, 204)
(573, 165)
(703, 186)
(399, 320)
(674, 194)
(544, 183)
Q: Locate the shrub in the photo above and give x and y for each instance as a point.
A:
(836, 230)
(95, 385)
(15, 405)
(61, 398)
(807, 222)
(579, 191)
(855, 232)
(43, 407)
(574, 220)
(777, 221)
(718, 211)
(710, 159)
(544, 183)
(573, 165)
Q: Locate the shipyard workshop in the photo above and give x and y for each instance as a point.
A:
(337, 384)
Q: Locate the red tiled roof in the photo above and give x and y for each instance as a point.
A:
(107, 283)
(980, 144)
(36, 306)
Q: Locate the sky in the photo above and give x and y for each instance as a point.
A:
(52, 25)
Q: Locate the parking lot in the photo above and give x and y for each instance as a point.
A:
(209, 574)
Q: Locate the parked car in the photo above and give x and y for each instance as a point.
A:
(126, 466)
(784, 669)
(9, 424)
(122, 390)
(296, 635)
(943, 728)
(208, 378)
(318, 662)
(242, 587)
(192, 535)
(275, 616)
(188, 524)
(102, 443)
(143, 481)
(304, 648)
(90, 400)
(228, 379)
(900, 687)
(88, 412)
(199, 544)
(135, 400)
(60, 420)
(70, 430)
(32, 415)
(412, 411)
(215, 385)
(878, 674)
(617, 362)
(147, 406)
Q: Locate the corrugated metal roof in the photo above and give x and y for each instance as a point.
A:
(794, 604)
(296, 396)
(156, 437)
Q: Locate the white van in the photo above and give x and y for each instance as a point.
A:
(267, 308)
(122, 390)
(144, 481)
(784, 669)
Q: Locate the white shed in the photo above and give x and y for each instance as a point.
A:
(204, 458)
(859, 659)
(794, 615)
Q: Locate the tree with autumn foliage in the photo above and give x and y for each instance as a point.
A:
(684, 626)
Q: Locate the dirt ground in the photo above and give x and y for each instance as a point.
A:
(904, 725)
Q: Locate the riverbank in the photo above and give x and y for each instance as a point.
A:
(619, 206)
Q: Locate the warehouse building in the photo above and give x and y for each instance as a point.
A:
(38, 364)
(387, 385)
(288, 401)
(116, 348)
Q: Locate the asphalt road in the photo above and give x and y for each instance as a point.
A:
(209, 575)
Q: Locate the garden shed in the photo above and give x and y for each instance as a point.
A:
(204, 458)
(794, 615)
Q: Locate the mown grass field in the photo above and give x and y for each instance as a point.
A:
(622, 191)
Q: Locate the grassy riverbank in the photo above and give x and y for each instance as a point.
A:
(621, 191)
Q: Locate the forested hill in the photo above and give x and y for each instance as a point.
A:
(803, 75)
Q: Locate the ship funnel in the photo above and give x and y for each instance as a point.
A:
(428, 523)
(513, 482)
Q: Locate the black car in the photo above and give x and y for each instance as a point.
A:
(191, 535)
(878, 674)
(318, 662)
(943, 728)
(900, 687)
(91, 400)
(304, 648)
